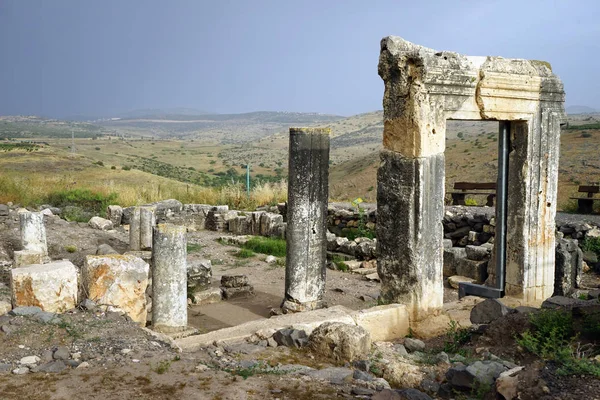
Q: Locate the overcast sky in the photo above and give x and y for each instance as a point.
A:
(61, 57)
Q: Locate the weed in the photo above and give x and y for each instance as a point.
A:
(457, 337)
(339, 263)
(591, 244)
(84, 198)
(70, 249)
(470, 202)
(244, 253)
(162, 367)
(193, 247)
(264, 245)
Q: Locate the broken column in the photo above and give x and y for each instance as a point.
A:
(423, 89)
(141, 228)
(307, 213)
(169, 278)
(33, 239)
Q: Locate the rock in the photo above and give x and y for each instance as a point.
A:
(25, 311)
(119, 281)
(451, 255)
(362, 375)
(488, 311)
(271, 259)
(472, 269)
(447, 243)
(61, 353)
(234, 281)
(334, 375)
(5, 307)
(342, 342)
(88, 304)
(199, 275)
(442, 358)
(562, 302)
(208, 296)
(4, 210)
(115, 214)
(20, 371)
(46, 317)
(105, 249)
(360, 391)
(455, 280)
(568, 267)
(272, 342)
(84, 364)
(52, 287)
(100, 223)
(404, 394)
(47, 212)
(507, 383)
(476, 253)
(29, 360)
(290, 338)
(401, 350)
(52, 367)
(28, 257)
(590, 257)
(478, 373)
(401, 373)
(414, 344)
(5, 368)
(237, 292)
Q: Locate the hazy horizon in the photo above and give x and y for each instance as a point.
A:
(68, 58)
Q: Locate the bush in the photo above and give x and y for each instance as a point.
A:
(586, 135)
(591, 244)
(244, 253)
(84, 198)
(126, 168)
(71, 249)
(113, 167)
(263, 245)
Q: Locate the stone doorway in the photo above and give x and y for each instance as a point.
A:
(425, 88)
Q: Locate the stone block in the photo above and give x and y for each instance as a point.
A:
(269, 222)
(100, 223)
(454, 280)
(52, 287)
(199, 275)
(233, 281)
(208, 296)
(451, 255)
(230, 293)
(119, 281)
(472, 269)
(384, 323)
(28, 257)
(477, 253)
(568, 267)
(342, 342)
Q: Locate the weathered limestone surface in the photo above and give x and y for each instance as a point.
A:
(409, 233)
(33, 232)
(119, 281)
(100, 223)
(569, 267)
(307, 219)
(28, 257)
(115, 214)
(423, 89)
(169, 278)
(141, 228)
(52, 287)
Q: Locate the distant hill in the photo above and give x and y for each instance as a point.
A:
(156, 112)
(580, 110)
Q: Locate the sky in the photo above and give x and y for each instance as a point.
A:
(63, 58)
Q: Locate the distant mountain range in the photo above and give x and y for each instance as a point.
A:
(580, 110)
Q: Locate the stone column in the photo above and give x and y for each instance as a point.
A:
(141, 227)
(169, 278)
(33, 232)
(307, 212)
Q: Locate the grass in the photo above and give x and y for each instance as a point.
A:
(244, 253)
(193, 247)
(70, 249)
(552, 337)
(264, 245)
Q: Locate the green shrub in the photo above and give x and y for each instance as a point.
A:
(457, 337)
(263, 245)
(470, 202)
(244, 253)
(591, 244)
(84, 198)
(126, 168)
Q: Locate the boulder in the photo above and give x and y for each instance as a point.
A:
(51, 287)
(342, 342)
(104, 249)
(414, 344)
(100, 223)
(4, 210)
(291, 338)
(477, 374)
(119, 281)
(488, 311)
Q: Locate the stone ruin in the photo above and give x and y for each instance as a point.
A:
(423, 89)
